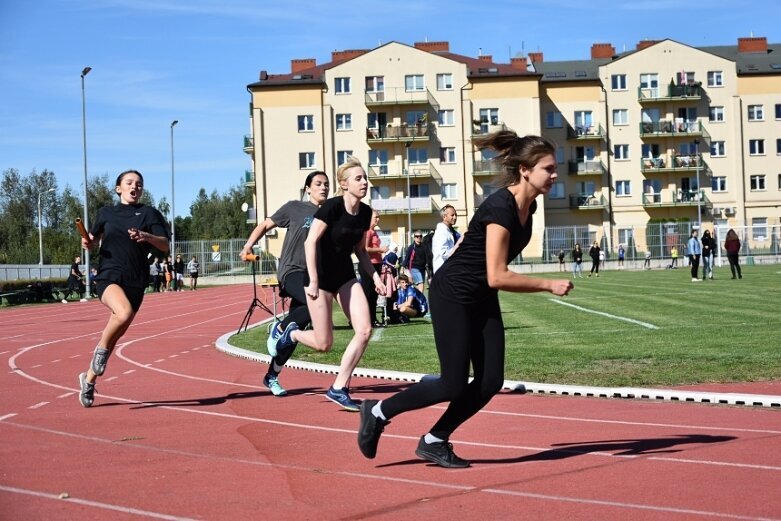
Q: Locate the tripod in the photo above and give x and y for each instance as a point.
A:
(256, 303)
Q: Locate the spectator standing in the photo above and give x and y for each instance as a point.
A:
(647, 261)
(621, 255)
(376, 250)
(601, 259)
(74, 281)
(577, 262)
(167, 273)
(179, 273)
(674, 257)
(694, 250)
(443, 244)
(562, 264)
(155, 272)
(193, 269)
(415, 260)
(732, 245)
(708, 248)
(593, 252)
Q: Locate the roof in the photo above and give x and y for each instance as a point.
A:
(573, 70)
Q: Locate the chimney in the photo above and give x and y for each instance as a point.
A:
(644, 44)
(347, 54)
(519, 64)
(433, 46)
(302, 64)
(486, 58)
(602, 50)
(263, 75)
(747, 45)
(535, 57)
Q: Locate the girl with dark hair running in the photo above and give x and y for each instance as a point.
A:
(126, 232)
(466, 317)
(297, 217)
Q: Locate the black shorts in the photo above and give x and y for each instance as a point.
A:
(134, 295)
(193, 274)
(336, 277)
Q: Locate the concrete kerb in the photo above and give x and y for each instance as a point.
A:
(672, 395)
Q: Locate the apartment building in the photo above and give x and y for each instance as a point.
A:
(665, 131)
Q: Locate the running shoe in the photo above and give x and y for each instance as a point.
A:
(342, 397)
(272, 382)
(87, 392)
(286, 344)
(99, 360)
(440, 453)
(370, 430)
(273, 337)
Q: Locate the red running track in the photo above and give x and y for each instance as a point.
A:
(182, 431)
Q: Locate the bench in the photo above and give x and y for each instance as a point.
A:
(20, 296)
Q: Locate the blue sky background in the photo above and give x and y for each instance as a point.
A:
(155, 61)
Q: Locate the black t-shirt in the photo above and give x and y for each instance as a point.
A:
(179, 266)
(344, 231)
(464, 278)
(125, 258)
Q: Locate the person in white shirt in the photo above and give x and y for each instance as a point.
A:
(445, 237)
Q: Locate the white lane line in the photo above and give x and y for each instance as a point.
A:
(129, 371)
(377, 334)
(55, 361)
(602, 313)
(3, 418)
(36, 366)
(110, 378)
(96, 504)
(173, 355)
(65, 395)
(38, 405)
(159, 360)
(74, 356)
(4, 352)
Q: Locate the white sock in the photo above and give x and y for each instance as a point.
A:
(377, 411)
(430, 438)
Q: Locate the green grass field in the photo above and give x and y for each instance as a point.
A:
(625, 328)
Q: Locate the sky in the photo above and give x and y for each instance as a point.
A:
(156, 61)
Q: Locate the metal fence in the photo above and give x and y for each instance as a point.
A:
(221, 258)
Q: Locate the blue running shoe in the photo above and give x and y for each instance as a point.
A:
(272, 382)
(286, 344)
(273, 337)
(342, 397)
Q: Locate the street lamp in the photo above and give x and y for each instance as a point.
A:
(409, 195)
(173, 206)
(699, 188)
(40, 229)
(87, 275)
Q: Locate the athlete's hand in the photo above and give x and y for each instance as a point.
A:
(137, 235)
(313, 290)
(561, 287)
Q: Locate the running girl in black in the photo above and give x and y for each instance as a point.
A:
(125, 233)
(468, 328)
(337, 232)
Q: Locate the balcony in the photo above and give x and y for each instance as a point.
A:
(676, 198)
(481, 128)
(393, 171)
(249, 178)
(585, 132)
(392, 134)
(402, 205)
(399, 96)
(676, 163)
(249, 144)
(592, 167)
(689, 92)
(487, 167)
(587, 201)
(667, 128)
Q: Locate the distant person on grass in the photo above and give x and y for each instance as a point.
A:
(297, 217)
(694, 250)
(708, 249)
(126, 233)
(594, 252)
(577, 261)
(410, 302)
(732, 246)
(467, 319)
(338, 231)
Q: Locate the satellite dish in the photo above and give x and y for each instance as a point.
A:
(244, 207)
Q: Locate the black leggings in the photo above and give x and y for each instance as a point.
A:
(293, 287)
(695, 264)
(464, 334)
(595, 266)
(733, 264)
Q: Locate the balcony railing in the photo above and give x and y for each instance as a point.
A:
(585, 132)
(667, 128)
(587, 201)
(402, 205)
(249, 178)
(419, 132)
(591, 167)
(393, 171)
(672, 198)
(400, 96)
(487, 167)
(249, 144)
(688, 92)
(675, 163)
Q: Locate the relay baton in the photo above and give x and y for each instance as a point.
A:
(82, 229)
(251, 257)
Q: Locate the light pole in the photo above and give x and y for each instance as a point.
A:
(40, 229)
(173, 206)
(409, 195)
(699, 188)
(84, 141)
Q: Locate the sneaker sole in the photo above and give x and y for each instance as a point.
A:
(433, 458)
(276, 392)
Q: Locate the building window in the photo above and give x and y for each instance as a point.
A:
(344, 122)
(375, 83)
(623, 188)
(342, 156)
(444, 81)
(556, 191)
(306, 123)
(778, 146)
(417, 156)
(717, 149)
(447, 118)
(553, 119)
(620, 117)
(378, 160)
(306, 160)
(342, 85)
(449, 191)
(756, 147)
(756, 112)
(447, 155)
(778, 110)
(618, 82)
(560, 155)
(650, 83)
(715, 114)
(419, 190)
(414, 82)
(759, 228)
(583, 121)
(718, 184)
(715, 79)
(779, 181)
(380, 192)
(757, 183)
(621, 152)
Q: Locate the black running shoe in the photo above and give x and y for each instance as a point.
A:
(370, 429)
(440, 453)
(86, 392)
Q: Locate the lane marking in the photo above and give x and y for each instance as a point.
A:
(65, 395)
(129, 371)
(602, 313)
(3, 418)
(377, 334)
(38, 405)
